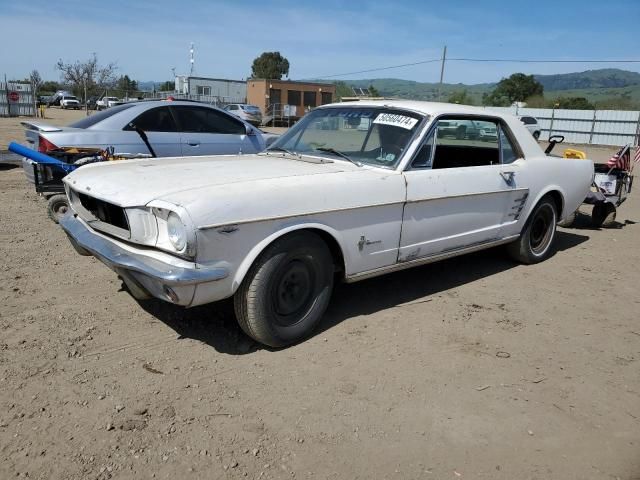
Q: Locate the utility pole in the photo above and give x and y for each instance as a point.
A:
(444, 58)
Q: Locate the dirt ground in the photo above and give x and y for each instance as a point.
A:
(472, 368)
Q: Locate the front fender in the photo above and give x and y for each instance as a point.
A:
(253, 254)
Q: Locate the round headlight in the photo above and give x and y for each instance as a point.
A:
(177, 232)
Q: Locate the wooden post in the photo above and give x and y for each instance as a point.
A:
(553, 114)
(444, 58)
(593, 127)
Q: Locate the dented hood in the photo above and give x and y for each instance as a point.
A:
(130, 183)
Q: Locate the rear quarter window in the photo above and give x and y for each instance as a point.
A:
(92, 120)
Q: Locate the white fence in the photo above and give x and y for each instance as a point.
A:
(599, 127)
(16, 100)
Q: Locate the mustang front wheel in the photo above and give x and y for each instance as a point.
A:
(536, 240)
(286, 290)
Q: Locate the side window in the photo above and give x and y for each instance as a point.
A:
(507, 152)
(465, 142)
(206, 120)
(422, 159)
(155, 120)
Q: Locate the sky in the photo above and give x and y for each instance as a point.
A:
(321, 39)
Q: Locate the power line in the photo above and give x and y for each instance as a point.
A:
(375, 69)
(512, 60)
(487, 60)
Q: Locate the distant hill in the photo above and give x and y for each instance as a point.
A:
(603, 78)
(596, 85)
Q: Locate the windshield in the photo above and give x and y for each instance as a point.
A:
(98, 117)
(367, 135)
(250, 108)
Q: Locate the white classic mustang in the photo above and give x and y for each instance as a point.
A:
(350, 192)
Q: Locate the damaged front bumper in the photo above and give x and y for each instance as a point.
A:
(146, 272)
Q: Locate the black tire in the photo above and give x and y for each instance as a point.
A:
(567, 222)
(286, 291)
(603, 215)
(57, 207)
(536, 242)
(536, 135)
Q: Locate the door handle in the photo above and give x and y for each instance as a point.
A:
(193, 144)
(508, 176)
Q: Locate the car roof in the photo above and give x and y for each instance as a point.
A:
(426, 108)
(127, 111)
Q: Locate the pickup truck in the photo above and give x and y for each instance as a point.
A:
(106, 102)
(69, 101)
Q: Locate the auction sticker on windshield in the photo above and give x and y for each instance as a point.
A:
(396, 120)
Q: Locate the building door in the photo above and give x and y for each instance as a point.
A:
(275, 96)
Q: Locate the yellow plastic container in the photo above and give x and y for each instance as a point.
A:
(571, 153)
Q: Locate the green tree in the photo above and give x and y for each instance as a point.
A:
(49, 87)
(461, 97)
(270, 65)
(373, 92)
(517, 88)
(167, 86)
(574, 103)
(342, 90)
(125, 84)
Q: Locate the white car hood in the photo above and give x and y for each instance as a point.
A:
(130, 183)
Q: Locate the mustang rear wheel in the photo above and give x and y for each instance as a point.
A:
(537, 238)
(603, 215)
(286, 291)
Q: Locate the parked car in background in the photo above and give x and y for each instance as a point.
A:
(531, 124)
(69, 101)
(249, 113)
(57, 97)
(106, 102)
(329, 200)
(459, 129)
(173, 128)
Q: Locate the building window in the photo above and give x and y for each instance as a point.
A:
(204, 90)
(327, 97)
(310, 99)
(293, 97)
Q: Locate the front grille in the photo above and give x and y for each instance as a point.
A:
(104, 211)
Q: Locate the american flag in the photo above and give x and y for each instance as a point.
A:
(622, 159)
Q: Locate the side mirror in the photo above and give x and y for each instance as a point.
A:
(250, 131)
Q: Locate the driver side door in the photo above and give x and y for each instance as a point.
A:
(459, 192)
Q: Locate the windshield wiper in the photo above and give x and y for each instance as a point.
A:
(339, 154)
(280, 149)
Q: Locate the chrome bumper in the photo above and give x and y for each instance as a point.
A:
(144, 275)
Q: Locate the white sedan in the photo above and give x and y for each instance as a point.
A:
(326, 202)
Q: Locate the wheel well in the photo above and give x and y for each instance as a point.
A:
(558, 200)
(329, 240)
(334, 247)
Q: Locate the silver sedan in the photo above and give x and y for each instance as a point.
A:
(173, 128)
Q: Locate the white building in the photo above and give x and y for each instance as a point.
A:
(227, 91)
